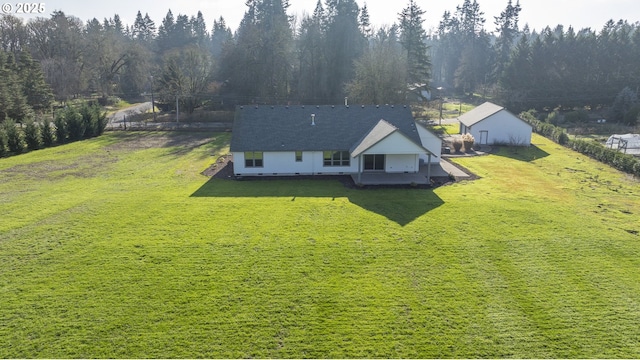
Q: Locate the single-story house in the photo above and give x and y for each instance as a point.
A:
(330, 140)
(491, 124)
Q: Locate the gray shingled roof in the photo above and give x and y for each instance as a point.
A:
(338, 128)
(480, 113)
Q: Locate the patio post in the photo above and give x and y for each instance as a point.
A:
(429, 168)
(360, 169)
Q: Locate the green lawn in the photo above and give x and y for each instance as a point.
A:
(447, 129)
(117, 247)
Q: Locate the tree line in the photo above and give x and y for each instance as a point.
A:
(332, 53)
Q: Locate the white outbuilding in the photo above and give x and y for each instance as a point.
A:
(491, 124)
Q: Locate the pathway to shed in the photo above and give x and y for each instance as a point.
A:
(443, 169)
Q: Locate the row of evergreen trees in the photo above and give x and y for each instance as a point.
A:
(271, 57)
(70, 124)
(329, 54)
(565, 68)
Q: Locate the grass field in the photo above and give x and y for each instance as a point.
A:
(117, 247)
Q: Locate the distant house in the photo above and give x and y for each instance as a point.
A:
(419, 92)
(330, 140)
(491, 124)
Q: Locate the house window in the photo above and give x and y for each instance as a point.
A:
(374, 162)
(337, 158)
(253, 159)
(298, 156)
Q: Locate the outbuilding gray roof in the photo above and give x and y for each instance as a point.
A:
(336, 128)
(479, 113)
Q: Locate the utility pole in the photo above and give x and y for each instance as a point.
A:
(441, 99)
(177, 110)
(153, 103)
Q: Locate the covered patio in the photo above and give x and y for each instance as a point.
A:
(439, 170)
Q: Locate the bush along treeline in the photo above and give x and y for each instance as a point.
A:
(592, 148)
(70, 124)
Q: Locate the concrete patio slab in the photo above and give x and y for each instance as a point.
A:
(444, 169)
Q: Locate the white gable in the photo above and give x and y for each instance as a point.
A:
(395, 143)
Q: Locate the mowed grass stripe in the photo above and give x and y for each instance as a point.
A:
(149, 258)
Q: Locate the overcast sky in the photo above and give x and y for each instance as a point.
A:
(537, 13)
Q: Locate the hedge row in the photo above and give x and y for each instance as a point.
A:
(546, 129)
(623, 162)
(72, 124)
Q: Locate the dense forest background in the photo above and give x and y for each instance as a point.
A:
(319, 58)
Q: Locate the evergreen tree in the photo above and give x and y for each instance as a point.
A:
(448, 50)
(13, 102)
(311, 57)
(344, 43)
(238, 65)
(34, 86)
(75, 125)
(220, 35)
(518, 76)
(365, 22)
(47, 132)
(414, 41)
(149, 28)
(61, 129)
(507, 29)
(144, 28)
(32, 136)
(117, 25)
(475, 49)
(182, 32)
(3, 142)
(626, 100)
(14, 136)
(259, 63)
(165, 33)
(199, 28)
(139, 27)
(275, 51)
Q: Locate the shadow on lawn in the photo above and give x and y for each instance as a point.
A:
(520, 153)
(399, 205)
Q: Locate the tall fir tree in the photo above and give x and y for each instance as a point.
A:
(344, 43)
(220, 35)
(38, 93)
(311, 57)
(508, 32)
(413, 38)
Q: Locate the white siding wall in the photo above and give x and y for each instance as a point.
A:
(395, 143)
(284, 163)
(503, 128)
(431, 142)
(402, 156)
(402, 163)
